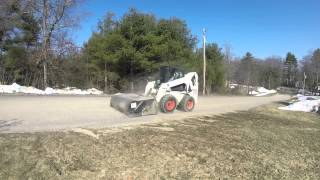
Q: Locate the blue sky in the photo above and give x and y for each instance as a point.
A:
(262, 27)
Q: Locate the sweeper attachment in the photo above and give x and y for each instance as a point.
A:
(133, 104)
(173, 90)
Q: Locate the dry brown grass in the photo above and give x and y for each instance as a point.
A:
(263, 143)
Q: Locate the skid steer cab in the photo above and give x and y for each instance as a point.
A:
(174, 89)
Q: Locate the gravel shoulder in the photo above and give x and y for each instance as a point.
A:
(60, 113)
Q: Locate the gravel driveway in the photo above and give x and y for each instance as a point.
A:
(56, 113)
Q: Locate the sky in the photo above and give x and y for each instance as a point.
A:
(263, 27)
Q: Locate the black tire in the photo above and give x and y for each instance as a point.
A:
(185, 105)
(168, 103)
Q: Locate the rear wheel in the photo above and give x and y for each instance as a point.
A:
(187, 103)
(168, 103)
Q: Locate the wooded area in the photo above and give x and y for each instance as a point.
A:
(35, 50)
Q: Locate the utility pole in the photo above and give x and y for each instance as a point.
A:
(204, 61)
(45, 42)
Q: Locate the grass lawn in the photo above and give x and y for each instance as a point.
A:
(263, 143)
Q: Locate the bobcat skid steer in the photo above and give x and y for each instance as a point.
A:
(173, 90)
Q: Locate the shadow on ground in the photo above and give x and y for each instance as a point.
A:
(283, 103)
(5, 125)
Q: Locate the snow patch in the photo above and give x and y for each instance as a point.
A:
(86, 132)
(16, 88)
(304, 104)
(232, 86)
(261, 91)
(255, 91)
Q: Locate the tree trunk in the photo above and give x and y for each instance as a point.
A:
(87, 73)
(248, 83)
(131, 74)
(269, 79)
(105, 78)
(1, 70)
(45, 75)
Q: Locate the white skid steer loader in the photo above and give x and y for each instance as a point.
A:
(174, 90)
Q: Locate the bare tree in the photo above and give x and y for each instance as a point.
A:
(316, 64)
(54, 16)
(228, 63)
(311, 66)
(246, 71)
(270, 72)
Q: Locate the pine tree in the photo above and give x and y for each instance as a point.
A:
(290, 69)
(215, 68)
(247, 70)
(138, 43)
(18, 39)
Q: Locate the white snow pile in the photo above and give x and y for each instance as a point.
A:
(304, 103)
(258, 91)
(16, 88)
(233, 85)
(261, 91)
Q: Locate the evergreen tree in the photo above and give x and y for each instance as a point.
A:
(246, 70)
(138, 43)
(290, 70)
(215, 68)
(18, 40)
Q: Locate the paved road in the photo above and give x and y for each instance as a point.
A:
(56, 113)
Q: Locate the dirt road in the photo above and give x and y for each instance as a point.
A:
(56, 113)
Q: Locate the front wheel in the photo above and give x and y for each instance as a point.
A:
(187, 103)
(168, 103)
